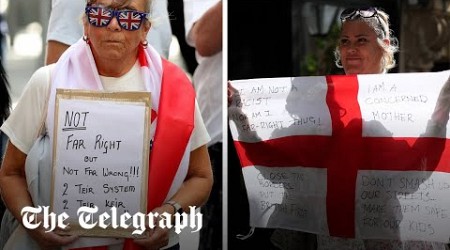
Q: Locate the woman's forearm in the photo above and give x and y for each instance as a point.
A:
(207, 31)
(13, 183)
(194, 192)
(197, 186)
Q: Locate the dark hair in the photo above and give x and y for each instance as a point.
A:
(5, 99)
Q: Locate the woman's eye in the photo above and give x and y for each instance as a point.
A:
(343, 42)
(362, 40)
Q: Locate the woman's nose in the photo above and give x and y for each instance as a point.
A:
(114, 24)
(351, 48)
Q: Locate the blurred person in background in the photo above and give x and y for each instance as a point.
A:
(203, 20)
(5, 106)
(3, 33)
(176, 11)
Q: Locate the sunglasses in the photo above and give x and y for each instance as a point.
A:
(352, 13)
(128, 19)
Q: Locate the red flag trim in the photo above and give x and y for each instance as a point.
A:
(175, 125)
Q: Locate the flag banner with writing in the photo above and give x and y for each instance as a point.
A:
(363, 156)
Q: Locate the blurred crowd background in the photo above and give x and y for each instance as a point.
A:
(23, 26)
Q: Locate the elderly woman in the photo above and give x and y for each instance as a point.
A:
(112, 56)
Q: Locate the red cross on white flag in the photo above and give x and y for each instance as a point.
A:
(348, 156)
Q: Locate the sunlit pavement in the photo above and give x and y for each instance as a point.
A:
(19, 71)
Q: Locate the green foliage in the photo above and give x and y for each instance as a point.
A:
(320, 61)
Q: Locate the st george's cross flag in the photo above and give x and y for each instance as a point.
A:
(362, 156)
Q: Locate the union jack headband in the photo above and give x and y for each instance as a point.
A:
(128, 19)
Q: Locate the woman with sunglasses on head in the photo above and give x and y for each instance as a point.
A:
(366, 46)
(113, 55)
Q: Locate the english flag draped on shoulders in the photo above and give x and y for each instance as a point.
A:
(171, 91)
(362, 156)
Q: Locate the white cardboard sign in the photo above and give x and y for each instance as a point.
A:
(100, 154)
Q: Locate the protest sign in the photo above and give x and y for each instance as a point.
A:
(348, 156)
(100, 156)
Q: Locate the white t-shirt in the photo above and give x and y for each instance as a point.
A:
(23, 124)
(207, 77)
(65, 24)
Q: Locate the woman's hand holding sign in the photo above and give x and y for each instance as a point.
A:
(157, 236)
(47, 239)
